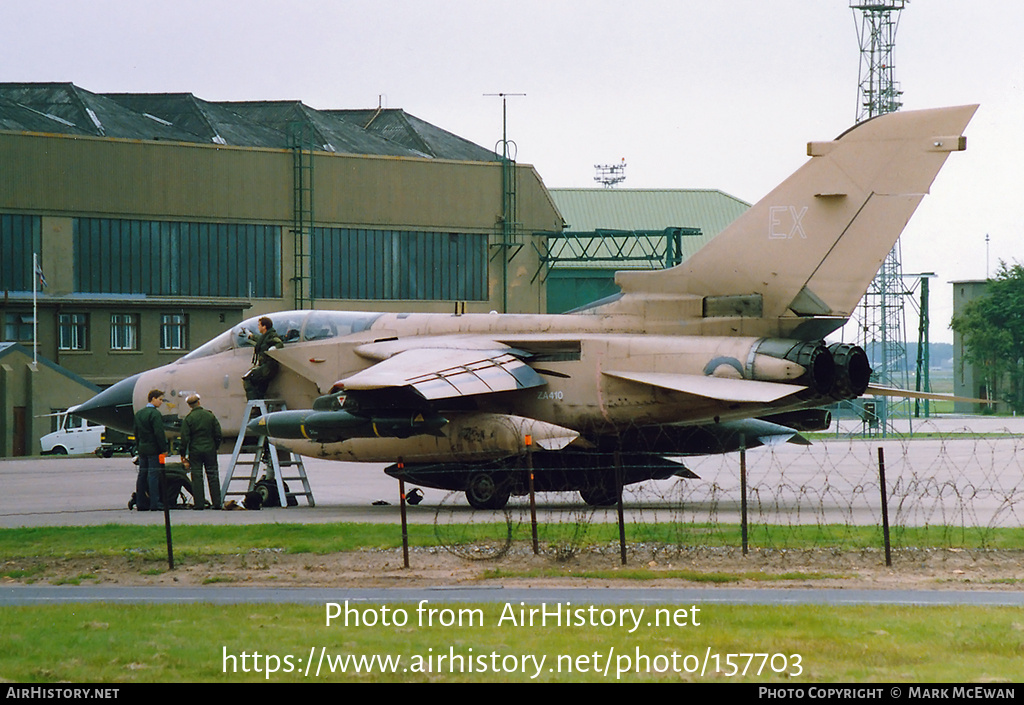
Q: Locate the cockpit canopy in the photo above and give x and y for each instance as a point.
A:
(292, 326)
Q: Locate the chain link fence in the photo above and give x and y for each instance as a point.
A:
(943, 488)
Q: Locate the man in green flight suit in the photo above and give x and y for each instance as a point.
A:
(200, 438)
(264, 367)
(152, 444)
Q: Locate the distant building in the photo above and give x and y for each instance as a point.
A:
(611, 229)
(968, 379)
(29, 394)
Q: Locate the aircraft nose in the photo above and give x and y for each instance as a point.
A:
(113, 406)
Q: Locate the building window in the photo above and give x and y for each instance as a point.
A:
(18, 327)
(174, 331)
(397, 264)
(74, 331)
(20, 237)
(124, 331)
(175, 259)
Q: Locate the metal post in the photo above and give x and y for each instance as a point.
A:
(405, 525)
(533, 496)
(622, 523)
(927, 345)
(743, 491)
(167, 512)
(885, 507)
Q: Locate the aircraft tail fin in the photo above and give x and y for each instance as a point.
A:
(812, 246)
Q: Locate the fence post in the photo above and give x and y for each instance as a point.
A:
(167, 511)
(405, 525)
(885, 507)
(533, 497)
(743, 491)
(622, 523)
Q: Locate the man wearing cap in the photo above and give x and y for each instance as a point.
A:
(200, 438)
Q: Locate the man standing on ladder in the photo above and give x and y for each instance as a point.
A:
(264, 367)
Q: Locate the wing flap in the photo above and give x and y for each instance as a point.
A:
(720, 388)
(446, 373)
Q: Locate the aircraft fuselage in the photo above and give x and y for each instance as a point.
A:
(593, 382)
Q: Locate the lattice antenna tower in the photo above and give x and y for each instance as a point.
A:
(608, 175)
(883, 330)
(877, 91)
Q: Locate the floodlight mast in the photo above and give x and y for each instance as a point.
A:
(608, 175)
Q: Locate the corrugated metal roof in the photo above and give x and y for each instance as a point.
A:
(89, 113)
(588, 209)
(396, 125)
(643, 210)
(21, 118)
(215, 123)
(446, 145)
(330, 133)
(64, 108)
(387, 124)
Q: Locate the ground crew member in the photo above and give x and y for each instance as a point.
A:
(152, 443)
(264, 368)
(200, 438)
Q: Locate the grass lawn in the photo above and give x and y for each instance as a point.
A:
(496, 642)
(111, 643)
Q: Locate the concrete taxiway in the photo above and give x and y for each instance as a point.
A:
(834, 474)
(43, 595)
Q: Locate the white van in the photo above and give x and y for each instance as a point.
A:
(73, 435)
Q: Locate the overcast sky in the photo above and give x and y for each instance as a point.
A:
(722, 95)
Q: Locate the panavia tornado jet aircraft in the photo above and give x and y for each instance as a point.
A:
(726, 348)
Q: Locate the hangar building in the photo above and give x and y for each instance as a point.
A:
(160, 220)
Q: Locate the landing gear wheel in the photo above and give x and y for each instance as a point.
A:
(484, 491)
(601, 495)
(265, 489)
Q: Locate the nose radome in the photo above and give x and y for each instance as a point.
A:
(113, 406)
